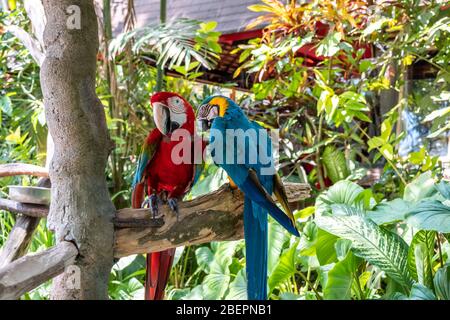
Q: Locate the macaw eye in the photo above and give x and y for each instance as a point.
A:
(176, 105)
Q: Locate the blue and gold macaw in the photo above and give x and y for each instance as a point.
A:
(244, 150)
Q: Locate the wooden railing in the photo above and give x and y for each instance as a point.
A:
(216, 216)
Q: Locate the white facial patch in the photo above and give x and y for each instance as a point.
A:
(213, 113)
(177, 110)
(176, 104)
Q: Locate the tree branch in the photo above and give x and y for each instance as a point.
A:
(19, 240)
(32, 210)
(30, 271)
(216, 216)
(17, 169)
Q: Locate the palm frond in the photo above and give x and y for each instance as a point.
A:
(173, 44)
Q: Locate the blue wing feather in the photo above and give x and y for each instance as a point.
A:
(148, 150)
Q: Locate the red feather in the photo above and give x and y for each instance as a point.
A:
(161, 174)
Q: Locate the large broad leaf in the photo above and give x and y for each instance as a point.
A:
(343, 192)
(276, 238)
(195, 294)
(204, 257)
(325, 247)
(216, 283)
(442, 282)
(390, 211)
(444, 189)
(340, 279)
(430, 215)
(238, 288)
(285, 267)
(418, 292)
(308, 239)
(420, 257)
(335, 163)
(421, 188)
(382, 248)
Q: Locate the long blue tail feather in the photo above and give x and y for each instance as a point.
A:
(255, 250)
(252, 192)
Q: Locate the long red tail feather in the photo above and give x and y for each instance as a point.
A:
(159, 265)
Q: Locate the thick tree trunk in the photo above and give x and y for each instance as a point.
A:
(81, 210)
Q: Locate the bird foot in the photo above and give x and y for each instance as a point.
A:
(152, 203)
(173, 204)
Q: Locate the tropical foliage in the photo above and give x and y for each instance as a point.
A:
(318, 74)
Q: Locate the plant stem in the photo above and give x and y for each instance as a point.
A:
(358, 286)
(310, 284)
(441, 259)
(186, 258)
(318, 161)
(294, 284)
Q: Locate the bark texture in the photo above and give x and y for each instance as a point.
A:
(81, 210)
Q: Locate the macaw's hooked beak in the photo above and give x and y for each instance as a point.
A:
(161, 115)
(204, 124)
(202, 118)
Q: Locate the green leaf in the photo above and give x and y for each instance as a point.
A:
(418, 292)
(208, 26)
(5, 105)
(304, 213)
(381, 248)
(375, 26)
(430, 215)
(329, 46)
(420, 257)
(285, 267)
(215, 284)
(238, 288)
(276, 239)
(444, 189)
(442, 282)
(390, 211)
(421, 188)
(340, 279)
(343, 192)
(365, 65)
(308, 239)
(204, 257)
(335, 164)
(325, 247)
(437, 114)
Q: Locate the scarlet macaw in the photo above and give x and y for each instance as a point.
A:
(162, 177)
(253, 177)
